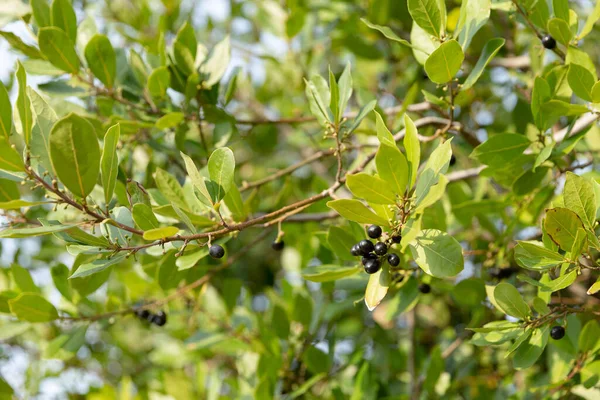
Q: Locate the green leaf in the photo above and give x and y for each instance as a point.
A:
(595, 288)
(560, 31)
(170, 120)
(335, 97)
(33, 308)
(356, 211)
(221, 167)
(45, 118)
(561, 282)
(41, 12)
(60, 278)
(435, 193)
(580, 197)
(387, 32)
(19, 233)
(531, 349)
(10, 160)
(437, 253)
(561, 225)
(110, 161)
(581, 81)
(370, 188)
(392, 167)
(427, 14)
(8, 191)
(197, 179)
(328, 273)
(341, 241)
(510, 301)
(144, 217)
(317, 102)
(24, 104)
(187, 37)
(96, 266)
(170, 188)
(377, 287)
(540, 95)
(160, 233)
(473, 16)
(443, 64)
(158, 83)
(491, 48)
(233, 201)
(216, 63)
(75, 154)
(18, 44)
(534, 256)
(345, 89)
(412, 147)
(101, 59)
(590, 21)
(500, 150)
(589, 336)
(63, 17)
(436, 165)
(23, 279)
(364, 111)
(58, 49)
(5, 113)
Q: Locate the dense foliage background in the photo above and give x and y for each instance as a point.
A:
(136, 134)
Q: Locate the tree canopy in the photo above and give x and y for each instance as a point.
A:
(299, 199)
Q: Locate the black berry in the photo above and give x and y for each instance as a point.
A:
(557, 332)
(372, 266)
(548, 42)
(396, 238)
(424, 288)
(142, 314)
(368, 257)
(216, 251)
(366, 246)
(160, 318)
(374, 231)
(380, 248)
(278, 246)
(355, 250)
(452, 160)
(393, 259)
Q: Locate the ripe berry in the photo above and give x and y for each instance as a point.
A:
(372, 266)
(374, 231)
(160, 318)
(393, 259)
(216, 251)
(557, 332)
(355, 250)
(424, 288)
(548, 42)
(368, 257)
(366, 246)
(397, 238)
(380, 248)
(452, 160)
(278, 246)
(142, 314)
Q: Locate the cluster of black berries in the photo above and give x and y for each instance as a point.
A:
(372, 254)
(160, 318)
(557, 332)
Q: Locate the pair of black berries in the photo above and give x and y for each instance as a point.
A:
(557, 332)
(372, 253)
(159, 319)
(217, 251)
